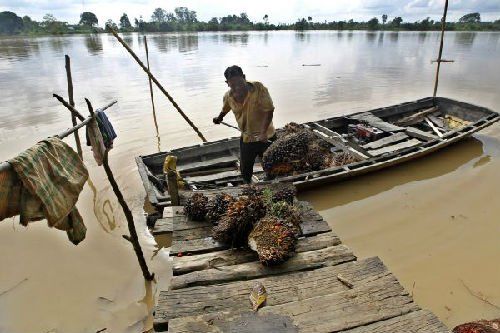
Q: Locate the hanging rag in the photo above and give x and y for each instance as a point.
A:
(96, 141)
(45, 182)
(107, 130)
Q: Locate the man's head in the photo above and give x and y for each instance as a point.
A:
(235, 79)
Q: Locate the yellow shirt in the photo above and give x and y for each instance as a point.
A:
(250, 114)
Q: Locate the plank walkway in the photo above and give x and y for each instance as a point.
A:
(323, 288)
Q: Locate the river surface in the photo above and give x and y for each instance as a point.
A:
(434, 222)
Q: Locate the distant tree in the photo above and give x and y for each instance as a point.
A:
(397, 21)
(159, 15)
(89, 19)
(373, 23)
(470, 18)
(29, 25)
(266, 19)
(52, 25)
(301, 24)
(384, 18)
(125, 22)
(110, 25)
(213, 24)
(10, 23)
(309, 18)
(184, 15)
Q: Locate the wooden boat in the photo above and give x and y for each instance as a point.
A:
(406, 131)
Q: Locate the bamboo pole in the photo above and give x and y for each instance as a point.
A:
(72, 103)
(134, 239)
(151, 93)
(151, 76)
(443, 25)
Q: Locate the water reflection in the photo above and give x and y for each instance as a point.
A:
(128, 38)
(371, 36)
(188, 43)
(465, 39)
(302, 36)
(57, 44)
(381, 38)
(422, 36)
(235, 39)
(394, 36)
(18, 48)
(94, 44)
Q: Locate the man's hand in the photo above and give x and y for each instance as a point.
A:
(217, 120)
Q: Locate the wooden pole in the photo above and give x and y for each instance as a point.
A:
(151, 93)
(126, 210)
(443, 25)
(173, 188)
(151, 76)
(72, 103)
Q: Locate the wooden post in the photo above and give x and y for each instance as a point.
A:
(126, 210)
(151, 76)
(173, 188)
(72, 103)
(443, 25)
(151, 93)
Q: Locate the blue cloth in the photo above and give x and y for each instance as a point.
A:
(107, 130)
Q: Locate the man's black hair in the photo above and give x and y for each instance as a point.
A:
(233, 71)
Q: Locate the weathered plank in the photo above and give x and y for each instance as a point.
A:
(416, 117)
(213, 177)
(208, 164)
(301, 261)
(421, 321)
(163, 226)
(375, 121)
(192, 234)
(187, 264)
(370, 302)
(281, 289)
(419, 134)
(194, 246)
(177, 223)
(400, 136)
(396, 147)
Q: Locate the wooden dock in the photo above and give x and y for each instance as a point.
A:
(323, 288)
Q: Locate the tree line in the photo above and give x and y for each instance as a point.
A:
(184, 19)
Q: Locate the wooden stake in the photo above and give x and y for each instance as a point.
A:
(151, 76)
(126, 210)
(443, 25)
(173, 188)
(72, 103)
(151, 93)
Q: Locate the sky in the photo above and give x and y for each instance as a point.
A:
(279, 11)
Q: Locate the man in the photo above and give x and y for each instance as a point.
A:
(253, 109)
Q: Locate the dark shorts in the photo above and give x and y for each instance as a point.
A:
(248, 152)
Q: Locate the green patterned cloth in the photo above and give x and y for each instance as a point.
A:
(52, 176)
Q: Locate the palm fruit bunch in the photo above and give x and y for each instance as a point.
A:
(297, 149)
(480, 326)
(251, 190)
(286, 193)
(217, 206)
(241, 215)
(196, 207)
(273, 240)
(288, 213)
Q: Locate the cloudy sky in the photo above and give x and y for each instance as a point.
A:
(278, 10)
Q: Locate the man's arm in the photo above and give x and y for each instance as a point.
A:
(225, 110)
(266, 121)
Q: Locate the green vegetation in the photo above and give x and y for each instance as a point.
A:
(183, 19)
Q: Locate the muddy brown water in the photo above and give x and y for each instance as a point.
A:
(434, 222)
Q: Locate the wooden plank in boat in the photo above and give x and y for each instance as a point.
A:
(187, 264)
(400, 136)
(374, 121)
(199, 245)
(213, 177)
(211, 163)
(281, 289)
(413, 322)
(329, 256)
(381, 299)
(416, 117)
(337, 141)
(396, 147)
(419, 134)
